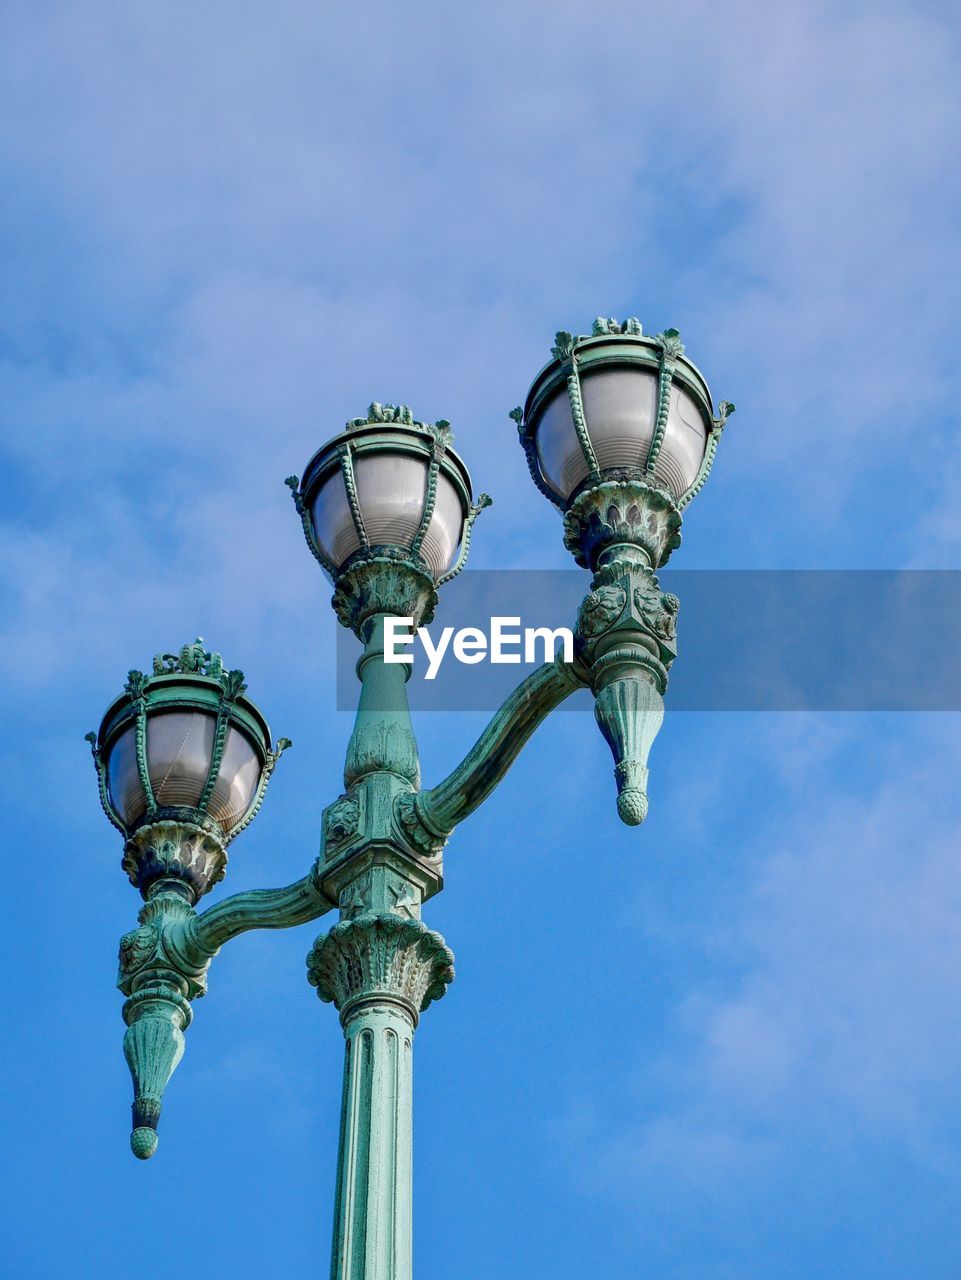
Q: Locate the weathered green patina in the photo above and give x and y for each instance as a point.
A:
(381, 575)
(623, 526)
(174, 854)
(382, 839)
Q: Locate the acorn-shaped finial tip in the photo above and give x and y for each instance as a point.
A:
(143, 1142)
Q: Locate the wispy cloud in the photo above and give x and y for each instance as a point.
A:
(828, 1015)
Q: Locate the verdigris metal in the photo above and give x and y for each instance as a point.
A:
(626, 635)
(381, 966)
(623, 526)
(386, 575)
(429, 817)
(381, 969)
(173, 855)
(192, 680)
(614, 344)
(382, 838)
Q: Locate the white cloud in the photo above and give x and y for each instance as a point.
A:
(828, 1017)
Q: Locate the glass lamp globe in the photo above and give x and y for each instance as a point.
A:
(624, 382)
(620, 408)
(180, 747)
(372, 488)
(207, 748)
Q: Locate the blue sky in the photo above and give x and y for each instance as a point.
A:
(725, 1046)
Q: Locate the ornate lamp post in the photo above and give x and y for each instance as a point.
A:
(619, 433)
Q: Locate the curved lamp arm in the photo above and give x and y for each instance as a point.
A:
(163, 968)
(295, 904)
(442, 807)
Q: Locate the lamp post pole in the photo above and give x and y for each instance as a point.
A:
(381, 967)
(619, 433)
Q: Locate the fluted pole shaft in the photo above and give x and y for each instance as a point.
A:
(381, 970)
(381, 967)
(373, 1206)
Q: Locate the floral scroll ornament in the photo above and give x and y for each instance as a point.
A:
(136, 948)
(343, 819)
(657, 609)
(600, 609)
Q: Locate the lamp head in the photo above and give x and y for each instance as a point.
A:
(620, 433)
(183, 758)
(387, 511)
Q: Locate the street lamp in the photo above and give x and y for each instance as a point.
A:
(620, 434)
(183, 760)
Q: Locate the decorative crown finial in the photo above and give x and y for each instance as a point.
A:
(565, 344)
(401, 415)
(195, 659)
(604, 325)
